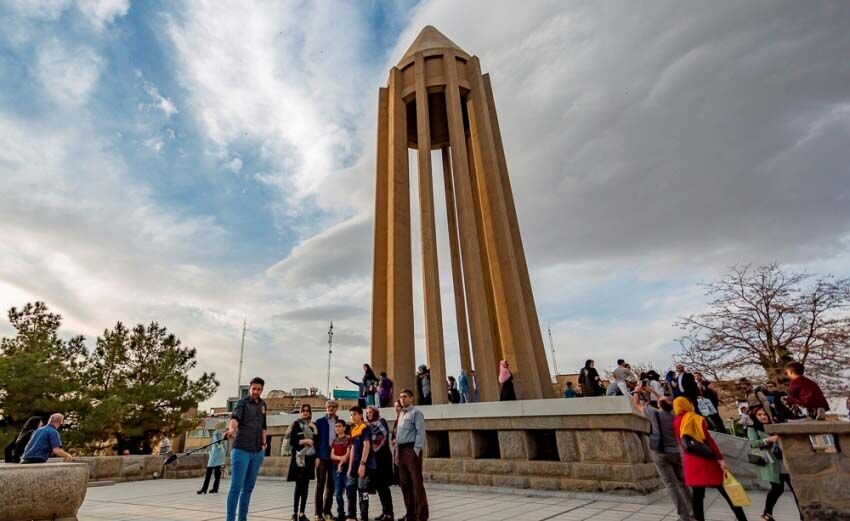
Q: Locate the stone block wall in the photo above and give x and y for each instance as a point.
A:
(583, 460)
(821, 480)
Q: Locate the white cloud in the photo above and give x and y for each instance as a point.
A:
(103, 12)
(39, 9)
(159, 101)
(287, 79)
(155, 143)
(234, 165)
(67, 74)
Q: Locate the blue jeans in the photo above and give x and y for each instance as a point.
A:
(340, 482)
(244, 467)
(464, 397)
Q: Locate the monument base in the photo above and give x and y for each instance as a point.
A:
(578, 445)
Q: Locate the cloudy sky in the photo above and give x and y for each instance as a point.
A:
(199, 163)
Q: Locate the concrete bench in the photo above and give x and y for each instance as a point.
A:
(40, 492)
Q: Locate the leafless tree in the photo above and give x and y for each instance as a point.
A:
(760, 318)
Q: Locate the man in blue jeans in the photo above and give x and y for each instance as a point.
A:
(248, 423)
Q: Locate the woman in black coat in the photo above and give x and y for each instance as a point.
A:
(384, 474)
(302, 463)
(589, 381)
(13, 451)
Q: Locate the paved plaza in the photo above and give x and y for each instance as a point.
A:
(176, 500)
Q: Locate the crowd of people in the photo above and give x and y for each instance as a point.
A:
(687, 457)
(803, 397)
(374, 390)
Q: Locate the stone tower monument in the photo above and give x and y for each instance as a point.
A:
(438, 99)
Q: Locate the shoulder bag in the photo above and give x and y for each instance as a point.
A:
(697, 448)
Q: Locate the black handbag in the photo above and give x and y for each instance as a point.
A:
(697, 448)
(756, 459)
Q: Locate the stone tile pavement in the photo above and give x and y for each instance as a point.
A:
(176, 500)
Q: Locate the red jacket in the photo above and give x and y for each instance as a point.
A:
(806, 393)
(700, 472)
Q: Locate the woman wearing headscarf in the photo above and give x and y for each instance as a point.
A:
(423, 385)
(700, 471)
(302, 464)
(589, 381)
(773, 470)
(454, 394)
(506, 379)
(215, 460)
(370, 385)
(13, 451)
(383, 476)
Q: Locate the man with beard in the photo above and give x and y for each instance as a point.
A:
(665, 451)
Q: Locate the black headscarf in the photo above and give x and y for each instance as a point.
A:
(29, 426)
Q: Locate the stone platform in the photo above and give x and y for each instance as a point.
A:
(175, 500)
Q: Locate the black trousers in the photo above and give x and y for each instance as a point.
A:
(386, 498)
(776, 490)
(302, 490)
(357, 492)
(210, 471)
(699, 504)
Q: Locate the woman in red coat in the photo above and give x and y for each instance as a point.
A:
(700, 472)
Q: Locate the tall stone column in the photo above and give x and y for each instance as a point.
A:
(507, 293)
(482, 248)
(380, 261)
(538, 348)
(430, 269)
(457, 275)
(401, 358)
(482, 343)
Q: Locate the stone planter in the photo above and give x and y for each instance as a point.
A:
(40, 492)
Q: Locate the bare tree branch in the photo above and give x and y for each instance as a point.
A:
(760, 318)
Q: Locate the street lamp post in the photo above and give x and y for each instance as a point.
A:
(330, 352)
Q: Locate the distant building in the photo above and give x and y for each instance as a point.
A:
(217, 412)
(561, 383)
(345, 394)
(233, 400)
(282, 402)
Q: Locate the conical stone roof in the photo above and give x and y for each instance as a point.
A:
(429, 38)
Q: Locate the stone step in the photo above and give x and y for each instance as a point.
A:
(101, 484)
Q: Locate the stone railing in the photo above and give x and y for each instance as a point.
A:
(137, 468)
(42, 491)
(821, 478)
(735, 451)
